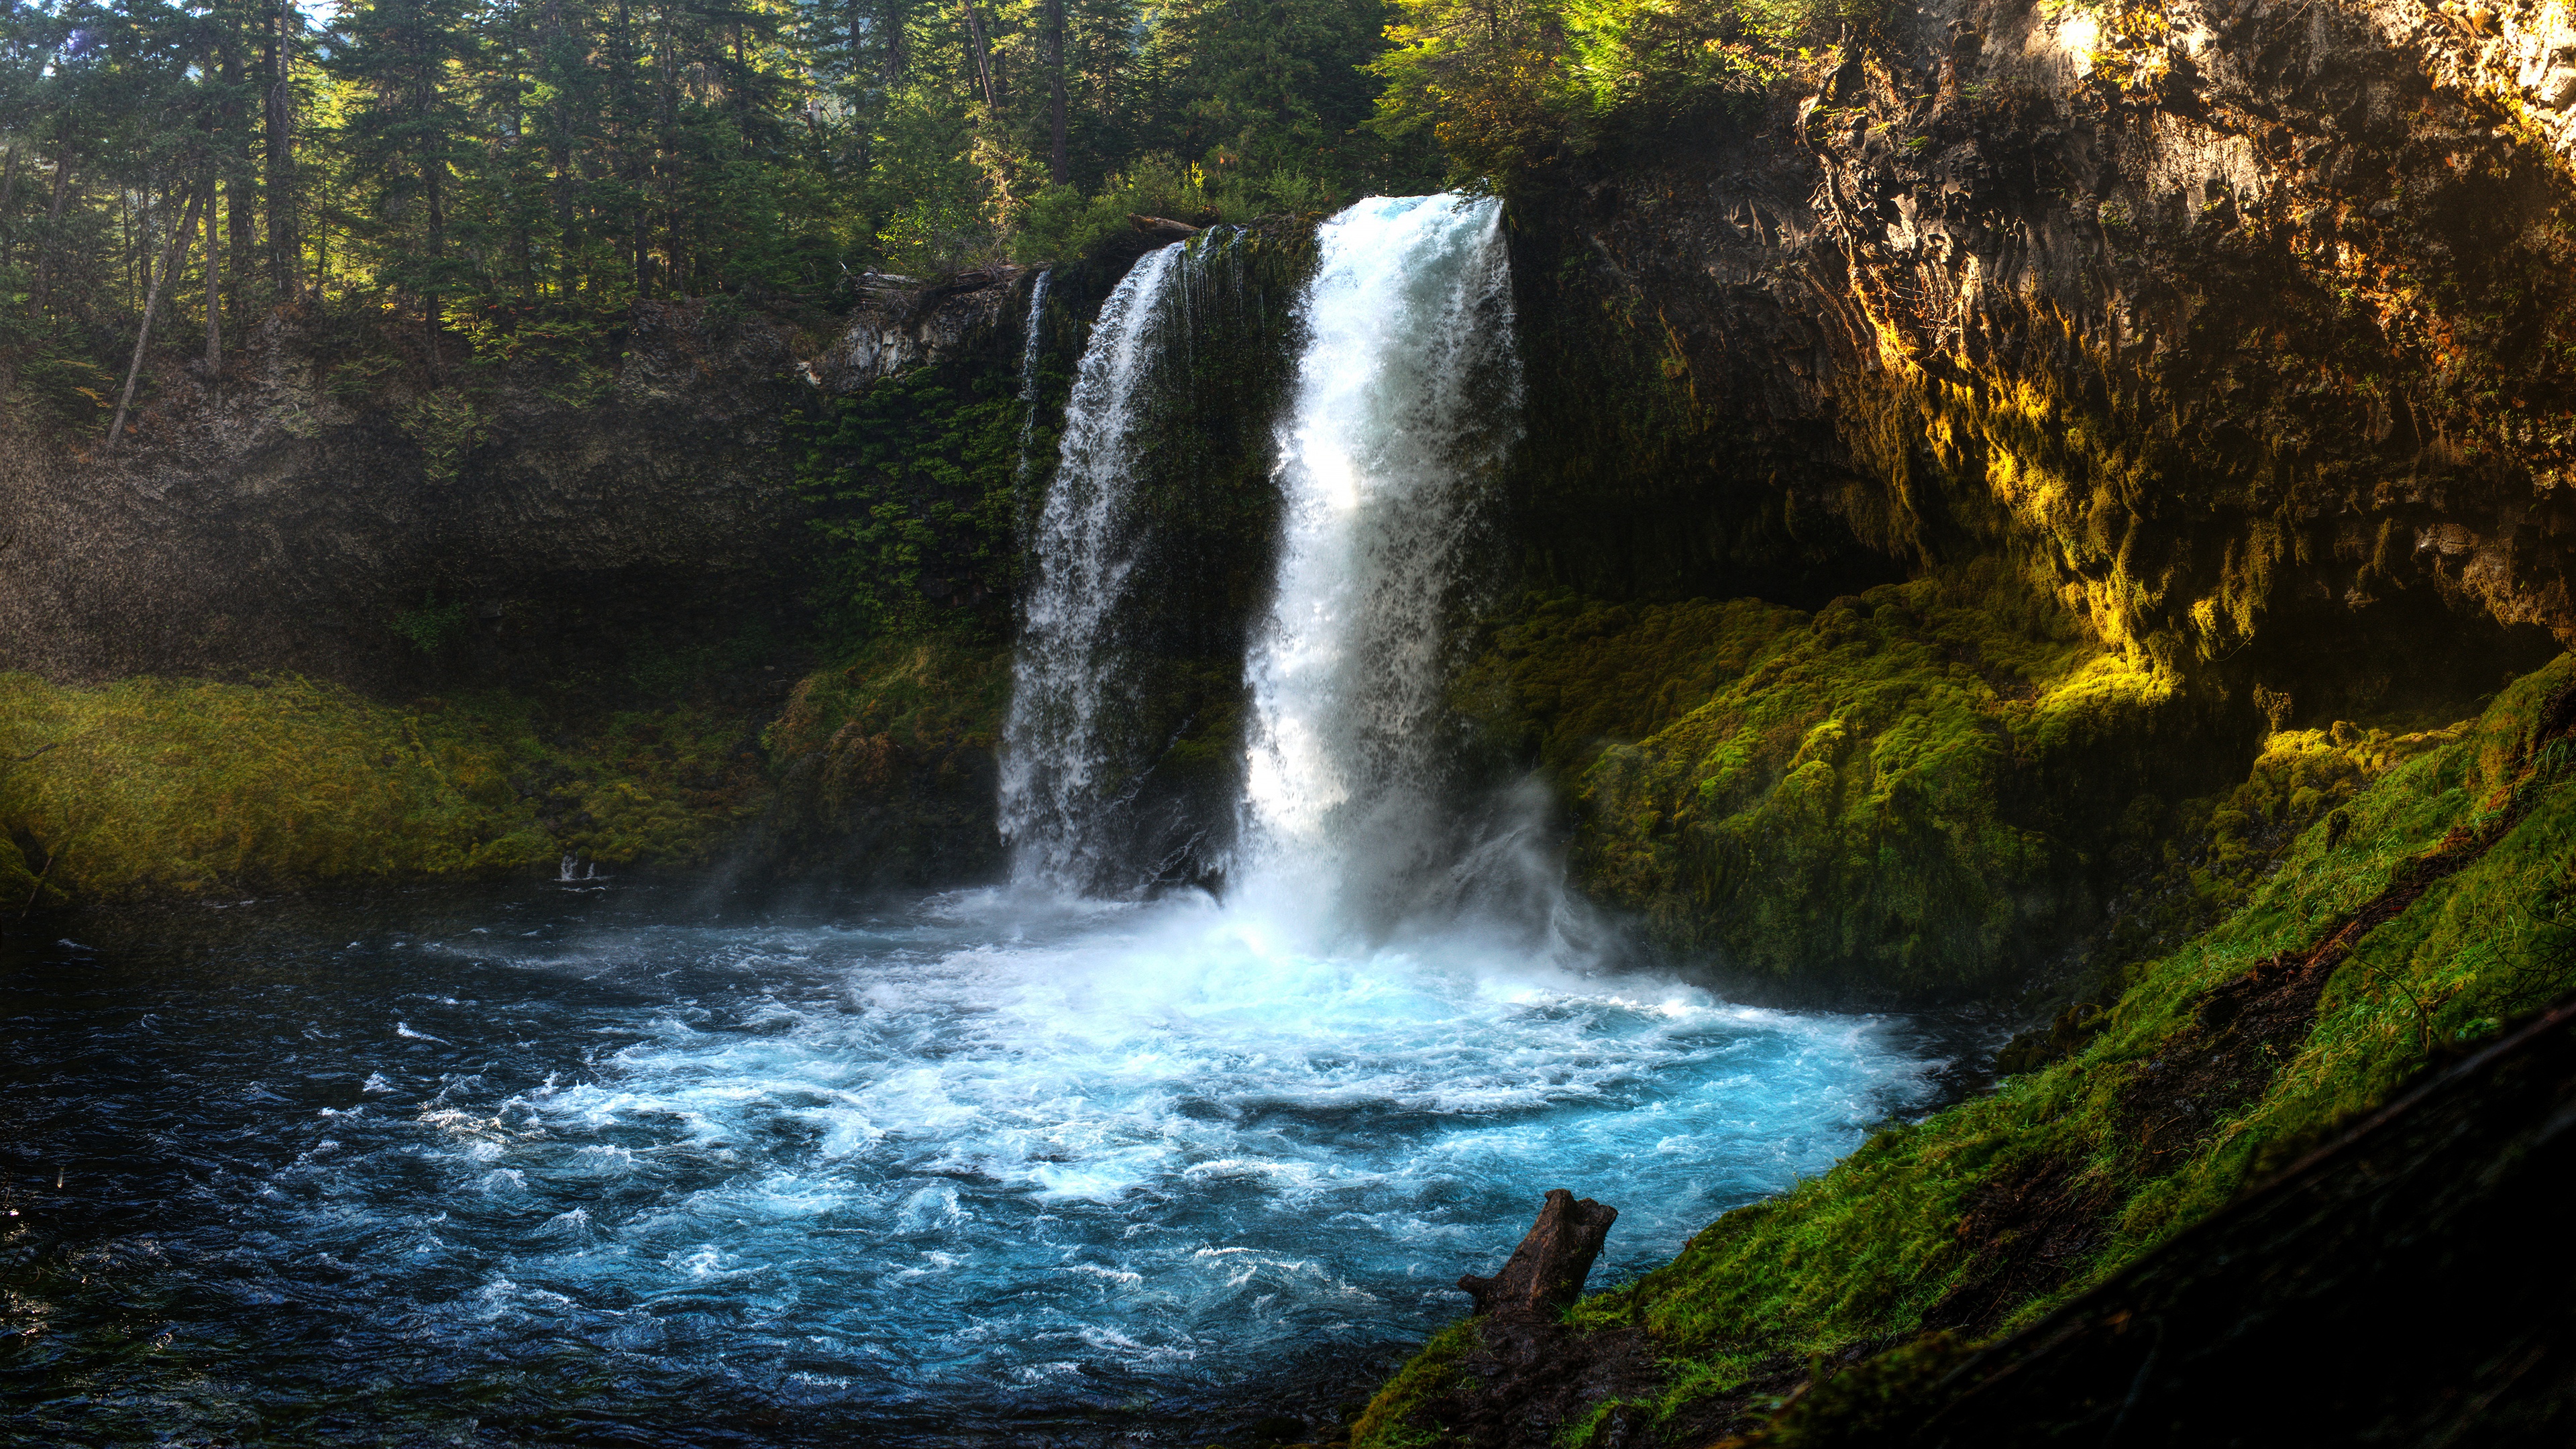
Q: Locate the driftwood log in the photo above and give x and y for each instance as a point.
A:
(1162, 229)
(1546, 1272)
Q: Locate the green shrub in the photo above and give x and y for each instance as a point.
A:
(431, 626)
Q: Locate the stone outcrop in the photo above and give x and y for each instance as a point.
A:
(2217, 318)
(900, 323)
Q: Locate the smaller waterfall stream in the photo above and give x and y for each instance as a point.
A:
(1065, 677)
(1032, 342)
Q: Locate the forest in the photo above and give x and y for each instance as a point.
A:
(508, 175)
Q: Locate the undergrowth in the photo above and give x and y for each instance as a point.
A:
(168, 785)
(887, 761)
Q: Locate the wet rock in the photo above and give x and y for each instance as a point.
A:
(900, 324)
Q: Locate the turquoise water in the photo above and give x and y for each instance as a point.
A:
(593, 1166)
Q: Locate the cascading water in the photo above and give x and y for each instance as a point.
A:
(1032, 339)
(1407, 398)
(987, 1166)
(1055, 771)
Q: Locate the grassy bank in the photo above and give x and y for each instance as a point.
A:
(2417, 915)
(173, 786)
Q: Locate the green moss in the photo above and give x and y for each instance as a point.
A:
(1901, 792)
(1866, 1251)
(170, 785)
(1569, 675)
(919, 692)
(1387, 1422)
(887, 762)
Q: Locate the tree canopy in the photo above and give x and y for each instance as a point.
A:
(494, 169)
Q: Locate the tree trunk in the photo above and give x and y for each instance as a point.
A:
(170, 259)
(1057, 170)
(241, 217)
(9, 193)
(53, 224)
(1546, 1272)
(431, 305)
(983, 63)
(890, 59)
(280, 123)
(214, 282)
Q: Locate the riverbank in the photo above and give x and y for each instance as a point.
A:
(2397, 930)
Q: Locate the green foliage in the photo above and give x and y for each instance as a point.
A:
(922, 693)
(1859, 1255)
(915, 482)
(1895, 793)
(894, 749)
(432, 625)
(506, 177)
(42, 371)
(161, 785)
(1508, 86)
(1062, 221)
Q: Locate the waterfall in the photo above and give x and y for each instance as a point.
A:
(1065, 684)
(1403, 400)
(1407, 397)
(1032, 334)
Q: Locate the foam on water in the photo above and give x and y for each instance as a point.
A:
(988, 1162)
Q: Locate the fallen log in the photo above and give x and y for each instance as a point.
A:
(1546, 1272)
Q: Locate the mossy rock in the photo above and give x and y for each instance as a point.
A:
(1909, 792)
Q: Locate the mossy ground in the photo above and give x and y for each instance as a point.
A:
(2463, 843)
(172, 786)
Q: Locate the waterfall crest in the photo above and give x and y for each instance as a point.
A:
(1407, 398)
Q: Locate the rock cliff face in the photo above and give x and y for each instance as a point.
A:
(2236, 335)
(2218, 318)
(902, 323)
(284, 515)
(317, 506)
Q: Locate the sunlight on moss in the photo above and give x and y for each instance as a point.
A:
(190, 786)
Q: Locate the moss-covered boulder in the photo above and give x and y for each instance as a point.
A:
(1914, 790)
